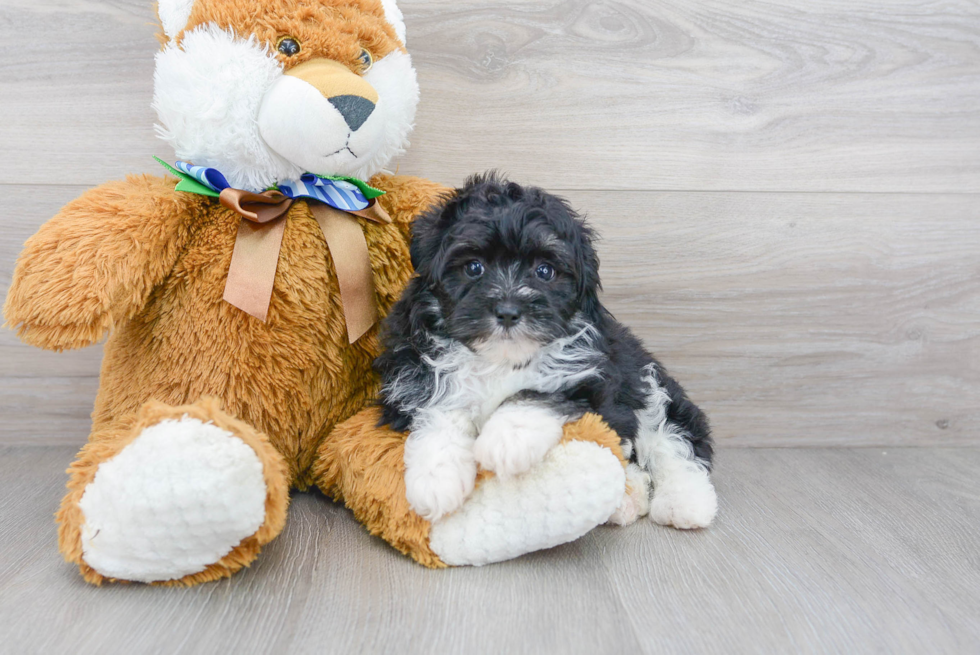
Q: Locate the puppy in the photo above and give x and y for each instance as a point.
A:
(500, 339)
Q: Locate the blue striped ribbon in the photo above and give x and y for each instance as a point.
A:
(336, 193)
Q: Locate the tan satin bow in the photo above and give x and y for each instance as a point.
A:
(256, 255)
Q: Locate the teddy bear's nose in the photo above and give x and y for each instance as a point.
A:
(350, 94)
(354, 109)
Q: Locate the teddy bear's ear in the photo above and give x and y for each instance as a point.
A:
(394, 16)
(173, 15)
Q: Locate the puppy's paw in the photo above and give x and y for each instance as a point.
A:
(685, 500)
(516, 437)
(438, 477)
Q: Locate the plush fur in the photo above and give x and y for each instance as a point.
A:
(173, 15)
(225, 99)
(147, 265)
(149, 262)
(108, 443)
(500, 339)
(126, 502)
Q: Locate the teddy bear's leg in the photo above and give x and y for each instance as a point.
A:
(172, 495)
(636, 500)
(578, 486)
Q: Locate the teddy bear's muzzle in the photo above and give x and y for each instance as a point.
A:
(350, 94)
(322, 117)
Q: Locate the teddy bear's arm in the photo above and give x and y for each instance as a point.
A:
(97, 261)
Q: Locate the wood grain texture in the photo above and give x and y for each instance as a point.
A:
(845, 95)
(805, 319)
(814, 551)
(794, 319)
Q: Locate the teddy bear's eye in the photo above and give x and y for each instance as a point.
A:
(288, 46)
(367, 61)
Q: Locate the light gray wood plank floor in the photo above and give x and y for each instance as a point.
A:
(815, 551)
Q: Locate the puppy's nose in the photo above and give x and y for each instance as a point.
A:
(508, 314)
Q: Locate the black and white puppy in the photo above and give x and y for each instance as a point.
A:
(500, 339)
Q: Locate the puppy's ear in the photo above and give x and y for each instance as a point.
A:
(423, 245)
(572, 228)
(587, 265)
(427, 233)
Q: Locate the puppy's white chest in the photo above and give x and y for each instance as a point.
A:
(483, 391)
(466, 382)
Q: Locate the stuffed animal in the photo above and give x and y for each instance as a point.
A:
(241, 294)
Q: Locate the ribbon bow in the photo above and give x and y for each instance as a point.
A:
(336, 203)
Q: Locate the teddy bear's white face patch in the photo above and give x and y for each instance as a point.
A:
(225, 102)
(207, 93)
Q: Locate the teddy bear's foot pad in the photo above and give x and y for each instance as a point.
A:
(178, 498)
(577, 487)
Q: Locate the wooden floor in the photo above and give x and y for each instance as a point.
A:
(815, 551)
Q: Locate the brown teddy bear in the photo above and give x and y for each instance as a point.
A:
(242, 296)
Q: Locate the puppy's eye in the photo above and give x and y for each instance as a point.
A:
(474, 269)
(546, 272)
(367, 61)
(288, 46)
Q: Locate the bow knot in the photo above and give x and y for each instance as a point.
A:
(335, 202)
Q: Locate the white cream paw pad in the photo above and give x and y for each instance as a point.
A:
(577, 487)
(175, 500)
